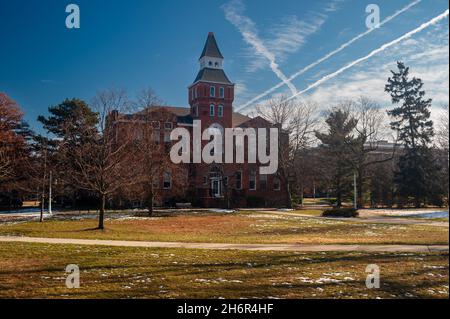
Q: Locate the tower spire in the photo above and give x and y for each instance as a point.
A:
(211, 57)
(211, 48)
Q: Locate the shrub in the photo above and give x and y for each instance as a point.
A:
(340, 212)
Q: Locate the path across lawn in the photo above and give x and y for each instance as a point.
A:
(218, 246)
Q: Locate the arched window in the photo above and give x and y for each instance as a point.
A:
(220, 111)
(211, 110)
(212, 91)
(221, 92)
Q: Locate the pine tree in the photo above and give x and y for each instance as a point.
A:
(417, 169)
(336, 149)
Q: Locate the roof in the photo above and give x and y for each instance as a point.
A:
(211, 48)
(183, 114)
(212, 75)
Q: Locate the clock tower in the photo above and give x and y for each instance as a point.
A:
(211, 95)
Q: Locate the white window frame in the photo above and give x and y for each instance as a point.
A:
(220, 110)
(212, 91)
(212, 110)
(222, 92)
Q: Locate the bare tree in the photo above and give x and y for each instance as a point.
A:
(443, 130)
(298, 120)
(369, 129)
(101, 159)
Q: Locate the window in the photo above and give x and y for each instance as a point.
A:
(212, 91)
(168, 125)
(156, 134)
(222, 92)
(167, 180)
(220, 111)
(225, 181)
(156, 125)
(252, 181)
(276, 184)
(155, 182)
(238, 180)
(195, 110)
(263, 182)
(205, 180)
(167, 137)
(216, 64)
(211, 110)
(210, 63)
(195, 93)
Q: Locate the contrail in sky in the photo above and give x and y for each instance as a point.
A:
(233, 13)
(329, 55)
(371, 54)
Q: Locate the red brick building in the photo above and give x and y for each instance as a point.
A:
(211, 97)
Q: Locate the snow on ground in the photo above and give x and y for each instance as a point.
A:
(416, 213)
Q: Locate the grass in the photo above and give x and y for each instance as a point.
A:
(243, 227)
(38, 271)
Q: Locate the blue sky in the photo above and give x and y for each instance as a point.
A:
(141, 43)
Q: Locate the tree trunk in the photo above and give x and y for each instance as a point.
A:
(150, 202)
(41, 216)
(359, 188)
(338, 194)
(101, 216)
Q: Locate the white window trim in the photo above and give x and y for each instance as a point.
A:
(212, 108)
(220, 111)
(222, 92)
(212, 89)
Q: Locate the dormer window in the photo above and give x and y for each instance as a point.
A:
(195, 110)
(216, 64)
(210, 63)
(211, 110)
(212, 91)
(221, 92)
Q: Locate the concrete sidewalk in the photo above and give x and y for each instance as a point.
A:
(220, 246)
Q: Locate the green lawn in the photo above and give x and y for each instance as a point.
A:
(244, 227)
(37, 271)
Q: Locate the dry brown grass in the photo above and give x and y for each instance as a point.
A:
(37, 271)
(236, 228)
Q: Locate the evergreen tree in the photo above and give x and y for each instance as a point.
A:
(417, 169)
(336, 147)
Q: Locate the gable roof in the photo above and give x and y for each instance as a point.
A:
(211, 48)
